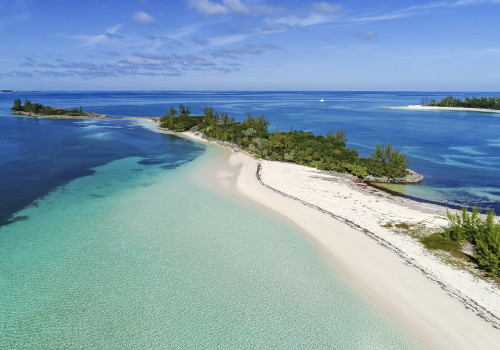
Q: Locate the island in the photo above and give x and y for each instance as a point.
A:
(41, 111)
(307, 168)
(10, 91)
(471, 104)
(327, 152)
(290, 164)
(335, 210)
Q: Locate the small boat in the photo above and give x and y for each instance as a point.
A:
(322, 100)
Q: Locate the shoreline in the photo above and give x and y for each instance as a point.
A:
(436, 108)
(393, 270)
(89, 115)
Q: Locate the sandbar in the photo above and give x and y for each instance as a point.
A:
(444, 307)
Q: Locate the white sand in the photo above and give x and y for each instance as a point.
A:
(434, 108)
(444, 307)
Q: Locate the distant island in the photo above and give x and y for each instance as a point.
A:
(473, 104)
(492, 103)
(41, 111)
(322, 152)
(8, 91)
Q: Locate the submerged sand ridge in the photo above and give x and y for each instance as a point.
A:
(345, 220)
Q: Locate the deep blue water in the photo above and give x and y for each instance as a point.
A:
(39, 155)
(458, 152)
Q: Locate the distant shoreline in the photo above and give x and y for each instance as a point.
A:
(88, 115)
(436, 108)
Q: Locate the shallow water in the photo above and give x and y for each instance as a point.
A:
(136, 256)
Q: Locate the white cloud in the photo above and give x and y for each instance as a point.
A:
(417, 9)
(235, 52)
(92, 40)
(405, 12)
(236, 6)
(311, 20)
(143, 17)
(254, 8)
(143, 61)
(368, 35)
(467, 2)
(321, 12)
(207, 7)
(228, 39)
(326, 8)
(474, 2)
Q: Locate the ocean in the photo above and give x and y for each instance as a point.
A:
(457, 152)
(108, 242)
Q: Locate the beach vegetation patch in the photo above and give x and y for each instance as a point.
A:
(403, 225)
(483, 232)
(437, 241)
(387, 225)
(413, 229)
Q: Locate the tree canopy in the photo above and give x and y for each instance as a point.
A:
(327, 152)
(37, 108)
(467, 102)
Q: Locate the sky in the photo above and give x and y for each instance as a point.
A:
(449, 45)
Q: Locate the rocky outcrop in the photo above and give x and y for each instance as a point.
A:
(411, 178)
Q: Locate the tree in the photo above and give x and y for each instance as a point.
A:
(184, 112)
(394, 163)
(17, 105)
(27, 105)
(483, 233)
(280, 142)
(338, 139)
(210, 116)
(259, 124)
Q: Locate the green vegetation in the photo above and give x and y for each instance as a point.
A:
(437, 241)
(327, 152)
(481, 233)
(37, 108)
(413, 229)
(468, 102)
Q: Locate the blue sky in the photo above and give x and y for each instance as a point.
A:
(249, 45)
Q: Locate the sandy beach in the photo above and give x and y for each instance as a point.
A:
(434, 108)
(445, 307)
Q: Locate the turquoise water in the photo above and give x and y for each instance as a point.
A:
(136, 256)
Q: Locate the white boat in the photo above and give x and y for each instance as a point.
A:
(322, 100)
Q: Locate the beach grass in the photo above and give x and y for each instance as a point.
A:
(437, 241)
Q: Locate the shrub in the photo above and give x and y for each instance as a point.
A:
(483, 233)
